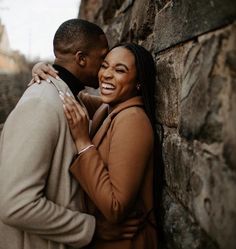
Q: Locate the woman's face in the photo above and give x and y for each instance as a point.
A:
(118, 76)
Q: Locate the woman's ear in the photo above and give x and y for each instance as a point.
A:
(80, 58)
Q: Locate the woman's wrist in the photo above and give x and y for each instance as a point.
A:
(81, 145)
(85, 149)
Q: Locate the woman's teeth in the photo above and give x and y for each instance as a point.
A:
(108, 86)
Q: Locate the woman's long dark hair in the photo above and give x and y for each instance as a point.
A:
(146, 76)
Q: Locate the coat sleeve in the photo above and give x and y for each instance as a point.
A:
(114, 187)
(27, 144)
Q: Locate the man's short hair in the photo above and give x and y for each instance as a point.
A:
(76, 34)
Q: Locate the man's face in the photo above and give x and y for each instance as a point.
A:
(94, 60)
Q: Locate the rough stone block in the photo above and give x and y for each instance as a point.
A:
(142, 21)
(178, 160)
(229, 131)
(204, 94)
(198, 177)
(167, 91)
(183, 20)
(90, 10)
(180, 228)
(212, 189)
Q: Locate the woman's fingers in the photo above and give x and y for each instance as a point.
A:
(42, 70)
(35, 79)
(52, 71)
(67, 113)
(31, 82)
(41, 75)
(75, 106)
(74, 111)
(48, 69)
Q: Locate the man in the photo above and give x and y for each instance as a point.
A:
(40, 202)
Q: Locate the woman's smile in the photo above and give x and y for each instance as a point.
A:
(107, 88)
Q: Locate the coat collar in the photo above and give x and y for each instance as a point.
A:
(135, 101)
(60, 85)
(102, 115)
(73, 83)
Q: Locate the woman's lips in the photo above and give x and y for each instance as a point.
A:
(107, 88)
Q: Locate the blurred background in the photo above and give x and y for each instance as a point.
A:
(30, 25)
(26, 33)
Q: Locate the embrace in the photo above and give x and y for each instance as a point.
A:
(76, 169)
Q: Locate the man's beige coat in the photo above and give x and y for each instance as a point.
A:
(39, 200)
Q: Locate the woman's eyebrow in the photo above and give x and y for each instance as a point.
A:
(121, 64)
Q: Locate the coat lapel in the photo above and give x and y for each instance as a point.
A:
(98, 118)
(100, 115)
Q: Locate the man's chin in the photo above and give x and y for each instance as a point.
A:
(93, 84)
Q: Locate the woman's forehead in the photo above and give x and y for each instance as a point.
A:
(119, 54)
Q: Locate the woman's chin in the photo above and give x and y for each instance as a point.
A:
(106, 99)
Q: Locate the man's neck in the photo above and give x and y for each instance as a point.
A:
(73, 83)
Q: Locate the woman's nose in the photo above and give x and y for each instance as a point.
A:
(107, 73)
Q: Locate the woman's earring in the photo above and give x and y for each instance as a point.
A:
(138, 86)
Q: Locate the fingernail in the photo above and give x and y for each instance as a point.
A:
(62, 96)
(48, 80)
(38, 81)
(57, 77)
(68, 94)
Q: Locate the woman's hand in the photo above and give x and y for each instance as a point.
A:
(41, 71)
(77, 120)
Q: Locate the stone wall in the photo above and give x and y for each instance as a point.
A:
(194, 46)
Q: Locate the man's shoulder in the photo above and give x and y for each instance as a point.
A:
(45, 92)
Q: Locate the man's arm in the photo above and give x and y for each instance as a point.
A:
(26, 151)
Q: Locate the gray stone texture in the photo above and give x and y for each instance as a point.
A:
(194, 46)
(181, 229)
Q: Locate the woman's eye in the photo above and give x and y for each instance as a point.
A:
(120, 70)
(103, 66)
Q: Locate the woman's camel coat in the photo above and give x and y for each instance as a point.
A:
(117, 175)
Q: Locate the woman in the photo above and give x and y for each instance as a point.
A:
(114, 164)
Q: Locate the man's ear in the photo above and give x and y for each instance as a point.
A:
(80, 58)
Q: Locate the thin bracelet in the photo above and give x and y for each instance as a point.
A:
(84, 149)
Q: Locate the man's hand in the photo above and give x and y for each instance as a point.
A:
(121, 231)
